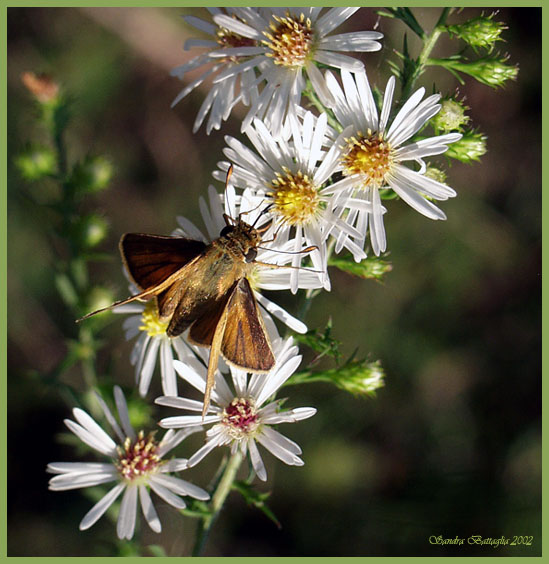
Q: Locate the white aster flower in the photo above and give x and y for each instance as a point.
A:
(288, 44)
(251, 207)
(292, 176)
(242, 416)
(136, 464)
(241, 82)
(153, 344)
(373, 154)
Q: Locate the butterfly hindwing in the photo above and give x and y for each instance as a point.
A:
(245, 341)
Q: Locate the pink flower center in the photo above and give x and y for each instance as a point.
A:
(139, 458)
(241, 418)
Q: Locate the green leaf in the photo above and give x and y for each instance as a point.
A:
(197, 509)
(66, 289)
(256, 499)
(156, 550)
(321, 342)
(369, 268)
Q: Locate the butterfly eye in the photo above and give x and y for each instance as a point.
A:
(225, 230)
(250, 255)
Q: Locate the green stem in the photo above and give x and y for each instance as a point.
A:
(422, 60)
(218, 499)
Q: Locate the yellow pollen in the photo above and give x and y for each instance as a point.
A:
(370, 156)
(150, 321)
(290, 40)
(295, 197)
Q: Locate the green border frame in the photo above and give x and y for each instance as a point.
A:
(4, 249)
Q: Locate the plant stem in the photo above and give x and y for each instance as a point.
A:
(218, 499)
(428, 46)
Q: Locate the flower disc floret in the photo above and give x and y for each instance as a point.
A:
(290, 40)
(295, 198)
(138, 458)
(241, 418)
(151, 322)
(370, 156)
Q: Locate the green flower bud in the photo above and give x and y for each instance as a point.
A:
(91, 230)
(451, 116)
(492, 71)
(36, 163)
(482, 31)
(92, 175)
(360, 378)
(98, 298)
(436, 174)
(469, 148)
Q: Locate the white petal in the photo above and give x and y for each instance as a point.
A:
(181, 487)
(422, 184)
(272, 444)
(280, 313)
(416, 201)
(337, 60)
(128, 512)
(278, 378)
(187, 420)
(149, 364)
(90, 432)
(257, 462)
(122, 408)
(169, 383)
(166, 494)
(74, 481)
(333, 18)
(148, 509)
(100, 507)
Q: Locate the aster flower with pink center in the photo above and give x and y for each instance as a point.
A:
(243, 416)
(137, 462)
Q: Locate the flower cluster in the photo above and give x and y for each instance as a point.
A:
(303, 186)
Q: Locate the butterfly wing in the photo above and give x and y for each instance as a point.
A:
(151, 259)
(245, 342)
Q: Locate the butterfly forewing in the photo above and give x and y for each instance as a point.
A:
(151, 259)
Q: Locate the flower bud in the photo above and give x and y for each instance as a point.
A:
(360, 378)
(451, 116)
(36, 163)
(482, 31)
(99, 298)
(469, 148)
(435, 174)
(492, 71)
(42, 87)
(92, 175)
(91, 230)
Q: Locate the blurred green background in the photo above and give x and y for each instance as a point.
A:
(452, 444)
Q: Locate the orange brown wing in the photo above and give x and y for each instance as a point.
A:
(245, 341)
(151, 259)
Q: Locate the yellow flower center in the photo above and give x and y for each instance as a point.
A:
(295, 197)
(370, 156)
(150, 321)
(240, 418)
(138, 459)
(290, 40)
